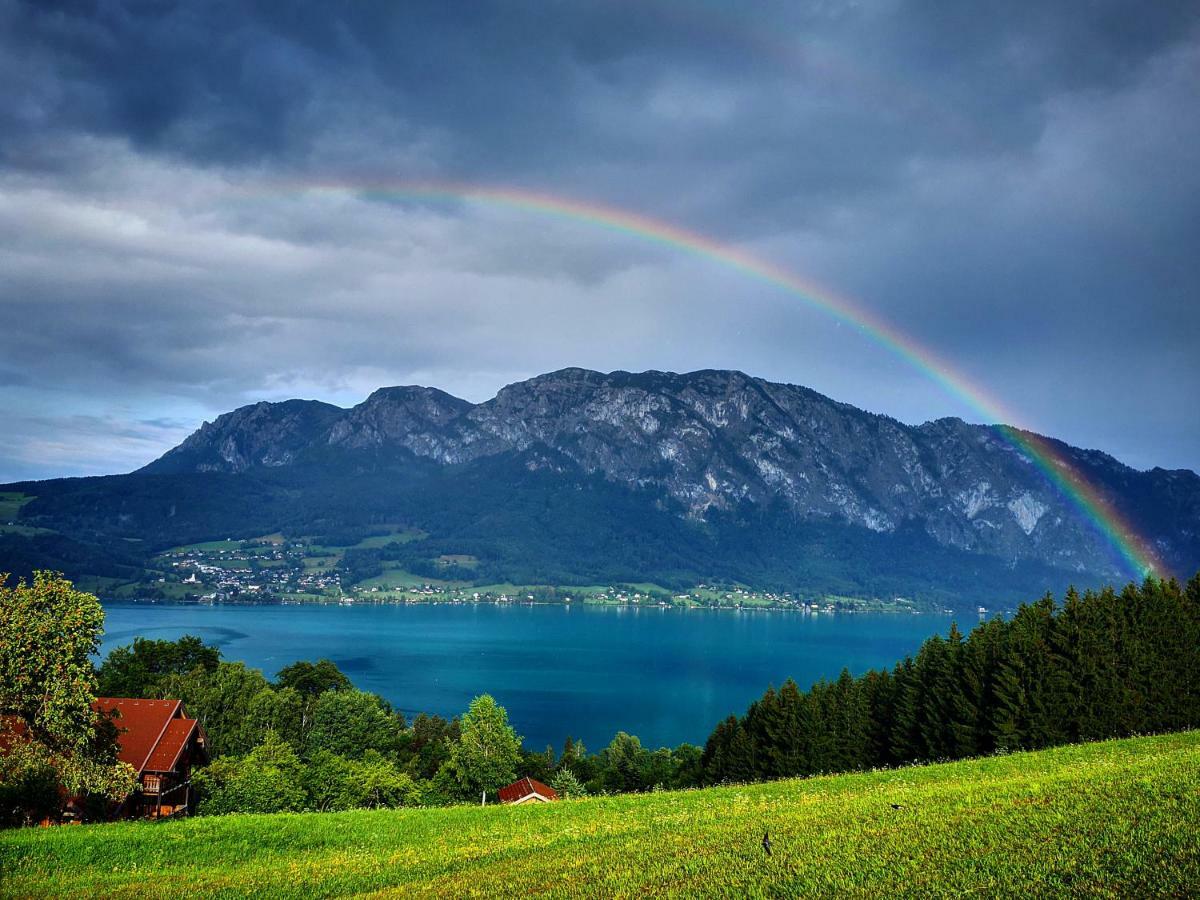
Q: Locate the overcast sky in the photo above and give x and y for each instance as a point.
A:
(1014, 186)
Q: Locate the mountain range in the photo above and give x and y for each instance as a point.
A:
(654, 476)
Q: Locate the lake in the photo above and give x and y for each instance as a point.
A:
(666, 675)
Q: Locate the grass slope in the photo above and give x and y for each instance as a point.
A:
(1120, 818)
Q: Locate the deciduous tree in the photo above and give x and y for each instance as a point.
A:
(48, 632)
(488, 750)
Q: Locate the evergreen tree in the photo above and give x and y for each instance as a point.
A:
(934, 672)
(741, 766)
(621, 764)
(1070, 646)
(945, 710)
(1104, 665)
(908, 743)
(1189, 668)
(978, 672)
(687, 769)
(879, 693)
(715, 759)
(787, 737)
(567, 785)
(852, 730)
(760, 722)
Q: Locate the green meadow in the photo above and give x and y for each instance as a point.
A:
(1113, 819)
(11, 503)
(10, 507)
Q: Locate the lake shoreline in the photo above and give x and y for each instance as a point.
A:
(359, 602)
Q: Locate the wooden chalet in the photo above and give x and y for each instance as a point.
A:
(527, 790)
(163, 745)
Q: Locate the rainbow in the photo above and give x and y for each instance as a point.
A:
(1135, 550)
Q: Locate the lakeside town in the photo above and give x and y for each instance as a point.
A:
(273, 569)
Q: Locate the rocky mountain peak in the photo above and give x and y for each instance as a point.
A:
(717, 441)
(260, 434)
(405, 416)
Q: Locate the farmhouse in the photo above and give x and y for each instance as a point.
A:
(163, 745)
(527, 790)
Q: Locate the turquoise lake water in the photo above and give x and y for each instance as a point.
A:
(665, 675)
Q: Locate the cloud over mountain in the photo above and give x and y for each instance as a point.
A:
(1013, 186)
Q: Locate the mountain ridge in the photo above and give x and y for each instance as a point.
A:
(727, 457)
(713, 438)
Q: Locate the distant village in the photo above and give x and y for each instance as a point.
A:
(225, 574)
(264, 571)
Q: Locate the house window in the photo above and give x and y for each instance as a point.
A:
(151, 784)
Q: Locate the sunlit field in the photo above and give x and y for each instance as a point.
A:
(1120, 818)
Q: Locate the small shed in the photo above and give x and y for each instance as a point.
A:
(527, 790)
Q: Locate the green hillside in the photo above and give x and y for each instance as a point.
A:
(1107, 819)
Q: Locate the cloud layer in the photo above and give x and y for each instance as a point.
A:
(183, 229)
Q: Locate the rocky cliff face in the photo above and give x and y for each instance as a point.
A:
(265, 434)
(719, 441)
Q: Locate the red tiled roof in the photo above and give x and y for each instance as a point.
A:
(524, 788)
(141, 726)
(151, 734)
(174, 739)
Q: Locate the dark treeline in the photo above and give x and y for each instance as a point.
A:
(1100, 665)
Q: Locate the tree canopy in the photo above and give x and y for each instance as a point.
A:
(138, 670)
(1102, 664)
(48, 632)
(488, 751)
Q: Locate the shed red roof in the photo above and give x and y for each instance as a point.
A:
(524, 788)
(151, 733)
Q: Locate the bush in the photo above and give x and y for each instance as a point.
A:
(334, 782)
(28, 783)
(266, 780)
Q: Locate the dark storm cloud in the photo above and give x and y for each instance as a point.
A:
(1014, 184)
(535, 85)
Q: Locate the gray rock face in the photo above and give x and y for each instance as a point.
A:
(715, 440)
(264, 434)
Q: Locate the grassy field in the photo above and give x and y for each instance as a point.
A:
(98, 584)
(401, 535)
(113, 589)
(207, 547)
(396, 578)
(1115, 819)
(10, 505)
